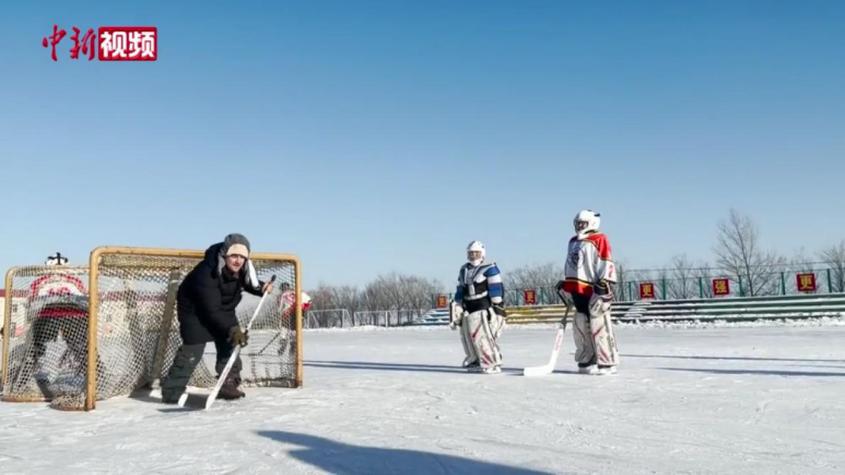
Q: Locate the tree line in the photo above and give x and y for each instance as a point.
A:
(738, 255)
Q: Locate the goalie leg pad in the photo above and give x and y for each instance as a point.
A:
(470, 357)
(603, 339)
(497, 323)
(585, 351)
(482, 338)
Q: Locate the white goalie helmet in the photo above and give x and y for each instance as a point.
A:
(476, 246)
(586, 221)
(56, 260)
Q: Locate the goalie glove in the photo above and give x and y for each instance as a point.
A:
(238, 336)
(603, 290)
(456, 313)
(497, 319)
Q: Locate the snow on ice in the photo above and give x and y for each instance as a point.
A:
(712, 398)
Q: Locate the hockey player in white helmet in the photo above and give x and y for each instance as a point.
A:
(589, 277)
(478, 311)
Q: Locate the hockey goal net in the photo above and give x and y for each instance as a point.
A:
(75, 335)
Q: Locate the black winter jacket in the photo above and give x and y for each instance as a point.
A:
(207, 299)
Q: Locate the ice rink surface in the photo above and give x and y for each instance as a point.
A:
(731, 398)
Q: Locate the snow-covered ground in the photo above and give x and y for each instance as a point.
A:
(692, 399)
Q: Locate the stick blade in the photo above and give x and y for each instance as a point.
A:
(212, 396)
(549, 367)
(537, 370)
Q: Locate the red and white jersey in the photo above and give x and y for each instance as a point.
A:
(58, 296)
(288, 299)
(588, 262)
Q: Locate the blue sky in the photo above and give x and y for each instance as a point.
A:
(370, 137)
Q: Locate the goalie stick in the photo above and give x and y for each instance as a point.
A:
(550, 366)
(232, 358)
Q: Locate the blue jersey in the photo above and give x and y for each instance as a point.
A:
(479, 287)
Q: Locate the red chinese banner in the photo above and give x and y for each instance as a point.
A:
(646, 290)
(806, 282)
(721, 286)
(442, 301)
(529, 296)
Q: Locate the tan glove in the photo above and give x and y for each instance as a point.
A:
(238, 336)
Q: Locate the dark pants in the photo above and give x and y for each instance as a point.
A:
(582, 303)
(186, 360)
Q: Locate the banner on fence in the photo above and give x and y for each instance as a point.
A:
(721, 287)
(806, 281)
(529, 296)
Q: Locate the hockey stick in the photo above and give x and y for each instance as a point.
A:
(232, 358)
(550, 366)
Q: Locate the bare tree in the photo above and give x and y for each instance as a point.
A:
(835, 257)
(620, 291)
(419, 294)
(404, 295)
(683, 282)
(323, 297)
(740, 253)
(542, 276)
(326, 297)
(348, 297)
(703, 275)
(376, 295)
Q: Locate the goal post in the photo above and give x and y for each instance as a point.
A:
(274, 357)
(119, 330)
(7, 324)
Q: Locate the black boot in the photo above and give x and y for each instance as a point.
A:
(230, 390)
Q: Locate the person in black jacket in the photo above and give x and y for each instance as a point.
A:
(206, 303)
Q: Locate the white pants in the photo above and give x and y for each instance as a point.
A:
(593, 334)
(478, 336)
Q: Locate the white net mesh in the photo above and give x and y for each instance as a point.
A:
(45, 336)
(136, 326)
(328, 318)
